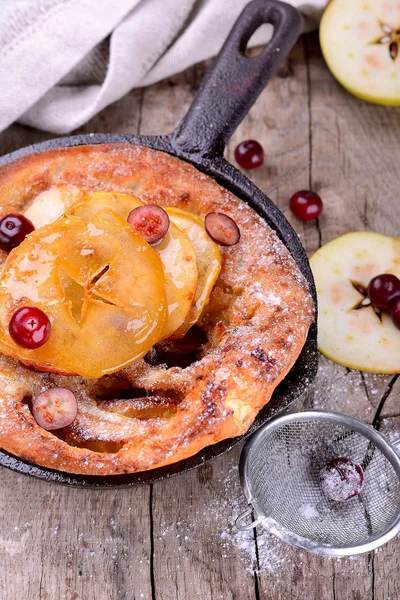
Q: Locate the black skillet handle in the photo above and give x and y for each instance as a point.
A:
(234, 81)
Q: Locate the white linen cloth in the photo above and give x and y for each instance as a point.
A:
(62, 61)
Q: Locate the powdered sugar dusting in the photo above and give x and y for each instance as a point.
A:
(341, 479)
(270, 298)
(271, 553)
(308, 511)
(225, 540)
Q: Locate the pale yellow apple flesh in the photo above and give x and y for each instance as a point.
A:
(348, 334)
(176, 251)
(208, 263)
(50, 205)
(94, 203)
(359, 40)
(180, 270)
(101, 286)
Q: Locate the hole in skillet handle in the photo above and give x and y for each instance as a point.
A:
(258, 41)
(234, 81)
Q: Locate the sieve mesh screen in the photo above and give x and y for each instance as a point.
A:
(284, 477)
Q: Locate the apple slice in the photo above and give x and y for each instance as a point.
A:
(175, 250)
(360, 41)
(349, 332)
(101, 286)
(180, 270)
(50, 205)
(208, 263)
(93, 203)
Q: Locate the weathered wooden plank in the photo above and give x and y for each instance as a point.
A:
(19, 136)
(166, 103)
(353, 148)
(74, 544)
(352, 165)
(197, 552)
(57, 542)
(387, 559)
(341, 390)
(334, 138)
(391, 407)
(282, 120)
(196, 555)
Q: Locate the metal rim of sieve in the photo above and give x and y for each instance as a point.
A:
(386, 448)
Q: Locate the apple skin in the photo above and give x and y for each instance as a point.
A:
(356, 337)
(349, 36)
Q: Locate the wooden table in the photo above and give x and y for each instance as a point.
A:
(175, 539)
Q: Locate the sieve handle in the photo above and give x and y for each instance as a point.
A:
(396, 446)
(241, 523)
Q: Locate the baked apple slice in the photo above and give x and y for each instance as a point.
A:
(181, 277)
(50, 205)
(360, 42)
(100, 285)
(93, 203)
(350, 331)
(208, 263)
(175, 250)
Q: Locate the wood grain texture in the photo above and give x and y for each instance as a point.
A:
(191, 512)
(57, 542)
(175, 540)
(305, 150)
(193, 520)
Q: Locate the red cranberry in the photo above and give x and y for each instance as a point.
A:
(249, 154)
(222, 229)
(151, 221)
(383, 290)
(29, 327)
(396, 313)
(306, 205)
(13, 230)
(341, 479)
(55, 408)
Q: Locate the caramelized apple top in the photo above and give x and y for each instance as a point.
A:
(208, 263)
(176, 251)
(67, 219)
(100, 284)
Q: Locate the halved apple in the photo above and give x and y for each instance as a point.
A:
(208, 263)
(349, 332)
(50, 205)
(360, 41)
(100, 284)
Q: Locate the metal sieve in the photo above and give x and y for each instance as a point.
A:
(280, 468)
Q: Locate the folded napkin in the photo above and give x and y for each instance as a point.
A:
(62, 61)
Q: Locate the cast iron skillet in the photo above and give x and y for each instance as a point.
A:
(228, 91)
